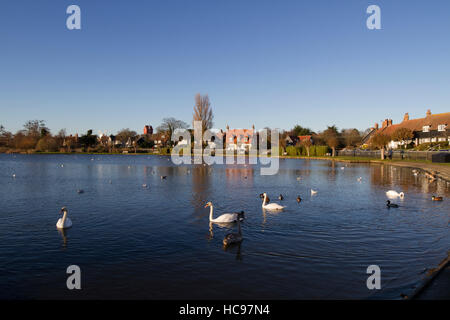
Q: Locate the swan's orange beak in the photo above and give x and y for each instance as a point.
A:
(207, 205)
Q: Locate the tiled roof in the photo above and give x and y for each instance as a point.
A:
(433, 121)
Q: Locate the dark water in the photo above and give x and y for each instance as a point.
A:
(156, 242)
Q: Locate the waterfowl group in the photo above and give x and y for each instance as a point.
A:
(271, 206)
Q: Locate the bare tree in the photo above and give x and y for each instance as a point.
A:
(169, 125)
(125, 134)
(203, 112)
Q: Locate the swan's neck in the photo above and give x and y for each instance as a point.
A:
(211, 213)
(64, 217)
(264, 201)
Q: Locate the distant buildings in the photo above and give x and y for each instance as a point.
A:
(239, 139)
(148, 130)
(431, 128)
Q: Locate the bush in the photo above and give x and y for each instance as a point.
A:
(292, 151)
(318, 151)
(47, 144)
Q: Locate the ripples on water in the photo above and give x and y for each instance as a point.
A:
(156, 242)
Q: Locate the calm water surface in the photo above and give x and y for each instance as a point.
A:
(156, 243)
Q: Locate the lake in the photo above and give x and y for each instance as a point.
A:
(156, 242)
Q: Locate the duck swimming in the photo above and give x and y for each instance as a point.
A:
(261, 195)
(299, 199)
(280, 197)
(233, 238)
(391, 205)
(434, 198)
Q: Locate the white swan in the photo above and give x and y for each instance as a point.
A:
(224, 218)
(64, 222)
(271, 206)
(394, 194)
(313, 191)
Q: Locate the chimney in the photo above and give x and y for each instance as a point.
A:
(385, 123)
(389, 122)
(376, 125)
(406, 117)
(428, 112)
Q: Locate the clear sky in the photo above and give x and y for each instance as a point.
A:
(268, 63)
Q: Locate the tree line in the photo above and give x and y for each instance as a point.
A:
(36, 136)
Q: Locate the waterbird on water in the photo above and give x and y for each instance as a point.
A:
(313, 191)
(224, 218)
(233, 238)
(434, 198)
(163, 177)
(271, 206)
(299, 199)
(395, 194)
(391, 205)
(64, 222)
(79, 191)
(280, 197)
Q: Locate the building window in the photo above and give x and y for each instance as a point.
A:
(426, 129)
(442, 127)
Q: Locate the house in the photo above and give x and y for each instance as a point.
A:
(291, 140)
(303, 138)
(431, 128)
(239, 139)
(148, 130)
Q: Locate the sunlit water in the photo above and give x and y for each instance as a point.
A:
(156, 242)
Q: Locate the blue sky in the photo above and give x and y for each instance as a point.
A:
(268, 63)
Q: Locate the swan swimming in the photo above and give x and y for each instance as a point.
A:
(224, 218)
(271, 206)
(313, 191)
(232, 238)
(394, 194)
(64, 222)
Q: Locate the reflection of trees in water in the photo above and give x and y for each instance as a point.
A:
(201, 185)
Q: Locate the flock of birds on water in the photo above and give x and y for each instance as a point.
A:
(237, 217)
